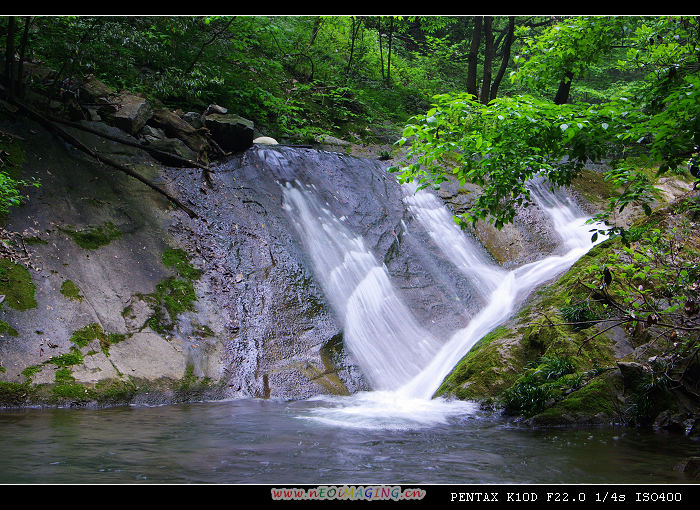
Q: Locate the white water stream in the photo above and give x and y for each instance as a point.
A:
(404, 362)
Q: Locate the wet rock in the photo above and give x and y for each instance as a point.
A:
(690, 466)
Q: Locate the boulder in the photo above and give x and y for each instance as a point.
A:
(93, 90)
(132, 113)
(194, 119)
(175, 127)
(231, 132)
(215, 108)
(633, 374)
(265, 140)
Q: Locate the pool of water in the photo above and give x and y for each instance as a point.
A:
(295, 442)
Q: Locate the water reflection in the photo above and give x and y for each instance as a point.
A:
(257, 441)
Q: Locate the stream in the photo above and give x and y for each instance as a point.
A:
(255, 441)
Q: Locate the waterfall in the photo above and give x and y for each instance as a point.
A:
(403, 361)
(506, 288)
(379, 330)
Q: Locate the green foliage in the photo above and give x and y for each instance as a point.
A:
(570, 46)
(11, 160)
(501, 145)
(580, 313)
(543, 381)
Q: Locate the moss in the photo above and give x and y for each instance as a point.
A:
(14, 394)
(114, 391)
(71, 291)
(202, 330)
(29, 372)
(87, 334)
(13, 155)
(34, 240)
(94, 331)
(94, 237)
(483, 371)
(178, 260)
(191, 387)
(16, 285)
(497, 361)
(589, 403)
(112, 339)
(6, 329)
(175, 294)
(593, 187)
(74, 357)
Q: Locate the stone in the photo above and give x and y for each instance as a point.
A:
(232, 132)
(632, 373)
(265, 140)
(215, 108)
(93, 90)
(690, 466)
(175, 127)
(132, 113)
(194, 119)
(332, 140)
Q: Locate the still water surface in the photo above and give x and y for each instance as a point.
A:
(266, 441)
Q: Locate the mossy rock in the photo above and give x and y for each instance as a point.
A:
(487, 369)
(596, 403)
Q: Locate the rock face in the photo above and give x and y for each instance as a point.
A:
(242, 315)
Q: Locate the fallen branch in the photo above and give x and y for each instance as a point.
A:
(81, 146)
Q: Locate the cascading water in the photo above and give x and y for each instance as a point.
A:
(380, 331)
(403, 361)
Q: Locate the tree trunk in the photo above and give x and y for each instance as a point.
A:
(22, 49)
(489, 52)
(354, 31)
(314, 30)
(10, 56)
(379, 35)
(507, 44)
(564, 88)
(473, 57)
(388, 54)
